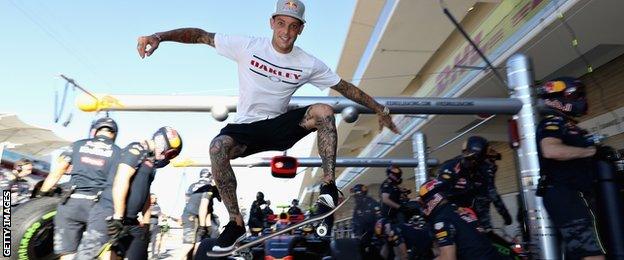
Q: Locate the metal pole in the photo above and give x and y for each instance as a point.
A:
(543, 234)
(314, 162)
(419, 146)
(227, 104)
(462, 134)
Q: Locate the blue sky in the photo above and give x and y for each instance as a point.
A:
(94, 42)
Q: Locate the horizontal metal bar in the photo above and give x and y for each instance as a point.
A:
(313, 162)
(225, 104)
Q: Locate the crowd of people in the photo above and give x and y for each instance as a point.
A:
(451, 218)
(108, 188)
(450, 214)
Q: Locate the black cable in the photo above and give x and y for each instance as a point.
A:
(58, 108)
(456, 70)
(590, 69)
(473, 44)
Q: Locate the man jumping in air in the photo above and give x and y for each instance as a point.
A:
(270, 71)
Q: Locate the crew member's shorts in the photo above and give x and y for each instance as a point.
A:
(69, 223)
(279, 133)
(190, 223)
(154, 230)
(133, 246)
(572, 215)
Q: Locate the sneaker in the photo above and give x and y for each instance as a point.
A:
(231, 235)
(327, 191)
(328, 200)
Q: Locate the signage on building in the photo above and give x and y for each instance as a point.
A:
(491, 34)
(609, 124)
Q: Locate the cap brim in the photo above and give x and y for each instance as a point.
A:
(290, 15)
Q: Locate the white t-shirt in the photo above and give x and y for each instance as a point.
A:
(267, 78)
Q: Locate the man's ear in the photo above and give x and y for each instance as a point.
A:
(301, 29)
(271, 22)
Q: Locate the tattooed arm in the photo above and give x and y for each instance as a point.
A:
(352, 92)
(183, 35)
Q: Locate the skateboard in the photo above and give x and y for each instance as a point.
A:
(278, 233)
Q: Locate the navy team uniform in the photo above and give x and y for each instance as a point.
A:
(154, 228)
(134, 244)
(452, 226)
(364, 216)
(568, 188)
(416, 235)
(473, 189)
(190, 216)
(394, 191)
(294, 210)
(487, 194)
(460, 188)
(91, 161)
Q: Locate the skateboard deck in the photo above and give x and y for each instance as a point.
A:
(278, 233)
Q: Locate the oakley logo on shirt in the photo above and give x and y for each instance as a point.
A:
(274, 72)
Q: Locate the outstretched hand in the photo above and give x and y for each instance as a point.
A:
(144, 41)
(386, 120)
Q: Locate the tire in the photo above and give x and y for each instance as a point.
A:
(346, 248)
(33, 229)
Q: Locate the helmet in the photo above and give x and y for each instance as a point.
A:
(104, 122)
(430, 195)
(260, 196)
(565, 94)
(168, 145)
(295, 202)
(359, 189)
(205, 174)
(394, 173)
(476, 147)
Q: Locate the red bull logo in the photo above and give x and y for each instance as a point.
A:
(565, 107)
(291, 6)
(554, 86)
(174, 139)
(428, 186)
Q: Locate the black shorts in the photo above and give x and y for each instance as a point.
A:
(190, 223)
(134, 245)
(97, 233)
(279, 133)
(571, 213)
(69, 224)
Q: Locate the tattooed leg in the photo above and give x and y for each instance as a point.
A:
(321, 117)
(222, 149)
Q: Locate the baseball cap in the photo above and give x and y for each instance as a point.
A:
(292, 8)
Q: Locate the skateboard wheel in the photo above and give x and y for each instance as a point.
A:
(321, 230)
